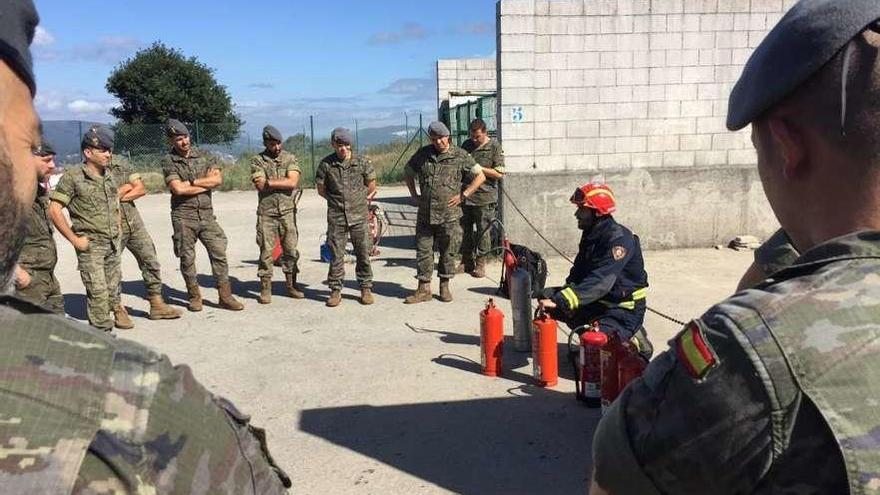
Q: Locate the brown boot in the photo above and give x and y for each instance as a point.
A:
(227, 301)
(161, 311)
(292, 291)
(422, 294)
(479, 268)
(445, 294)
(366, 296)
(265, 290)
(335, 298)
(121, 318)
(195, 296)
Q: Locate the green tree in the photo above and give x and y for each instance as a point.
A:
(158, 83)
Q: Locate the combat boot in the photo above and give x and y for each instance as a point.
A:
(195, 296)
(366, 296)
(479, 268)
(227, 301)
(121, 318)
(292, 291)
(445, 294)
(335, 298)
(161, 311)
(422, 294)
(265, 290)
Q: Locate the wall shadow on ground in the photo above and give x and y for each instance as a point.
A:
(535, 441)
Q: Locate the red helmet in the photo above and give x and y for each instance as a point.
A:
(596, 197)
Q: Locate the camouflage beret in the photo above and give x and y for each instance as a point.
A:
(98, 136)
(18, 23)
(45, 149)
(438, 128)
(271, 133)
(342, 135)
(807, 37)
(174, 127)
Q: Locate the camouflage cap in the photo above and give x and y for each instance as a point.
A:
(18, 23)
(810, 34)
(271, 133)
(98, 136)
(438, 128)
(45, 149)
(342, 135)
(174, 127)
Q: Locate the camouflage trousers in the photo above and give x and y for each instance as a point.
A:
(44, 291)
(447, 239)
(474, 221)
(186, 233)
(338, 233)
(100, 272)
(284, 228)
(140, 244)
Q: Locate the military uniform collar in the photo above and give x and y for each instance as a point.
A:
(97, 178)
(193, 153)
(864, 244)
(339, 162)
(484, 145)
(265, 154)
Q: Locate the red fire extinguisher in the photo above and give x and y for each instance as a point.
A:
(610, 356)
(589, 366)
(491, 339)
(545, 367)
(631, 366)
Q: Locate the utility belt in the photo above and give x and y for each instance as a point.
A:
(630, 303)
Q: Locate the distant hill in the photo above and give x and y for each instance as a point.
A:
(384, 135)
(65, 137)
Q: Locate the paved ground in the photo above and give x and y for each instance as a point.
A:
(388, 398)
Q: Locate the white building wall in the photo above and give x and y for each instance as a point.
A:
(476, 75)
(611, 85)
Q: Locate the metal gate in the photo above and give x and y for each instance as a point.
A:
(461, 116)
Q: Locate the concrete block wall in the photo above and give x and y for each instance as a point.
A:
(612, 85)
(463, 75)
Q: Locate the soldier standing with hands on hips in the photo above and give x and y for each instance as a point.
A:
(348, 183)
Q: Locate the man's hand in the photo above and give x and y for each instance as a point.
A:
(260, 183)
(414, 200)
(22, 278)
(547, 303)
(372, 195)
(80, 243)
(455, 200)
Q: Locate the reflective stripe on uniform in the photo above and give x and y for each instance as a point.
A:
(570, 297)
(637, 295)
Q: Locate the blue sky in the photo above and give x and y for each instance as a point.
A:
(281, 61)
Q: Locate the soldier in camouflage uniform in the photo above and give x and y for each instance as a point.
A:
(347, 182)
(137, 240)
(35, 280)
(479, 210)
(90, 196)
(80, 412)
(775, 389)
(441, 169)
(275, 174)
(191, 175)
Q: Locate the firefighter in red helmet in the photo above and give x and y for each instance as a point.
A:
(607, 283)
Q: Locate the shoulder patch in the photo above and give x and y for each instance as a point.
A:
(618, 252)
(694, 351)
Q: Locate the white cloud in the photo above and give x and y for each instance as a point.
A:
(81, 106)
(43, 37)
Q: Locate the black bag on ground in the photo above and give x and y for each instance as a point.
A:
(533, 263)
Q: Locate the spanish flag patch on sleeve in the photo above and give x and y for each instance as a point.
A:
(694, 351)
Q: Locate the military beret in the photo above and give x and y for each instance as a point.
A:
(45, 149)
(98, 136)
(174, 127)
(18, 22)
(342, 135)
(271, 133)
(806, 38)
(438, 128)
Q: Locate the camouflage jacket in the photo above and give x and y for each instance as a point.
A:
(275, 203)
(91, 201)
(489, 155)
(774, 390)
(131, 218)
(345, 186)
(440, 177)
(82, 412)
(776, 253)
(39, 251)
(186, 169)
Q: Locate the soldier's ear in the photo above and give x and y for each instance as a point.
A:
(791, 146)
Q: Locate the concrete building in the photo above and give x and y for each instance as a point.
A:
(633, 92)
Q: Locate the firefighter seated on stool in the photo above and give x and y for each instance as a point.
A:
(607, 283)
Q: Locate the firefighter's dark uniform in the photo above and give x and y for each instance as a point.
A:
(607, 283)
